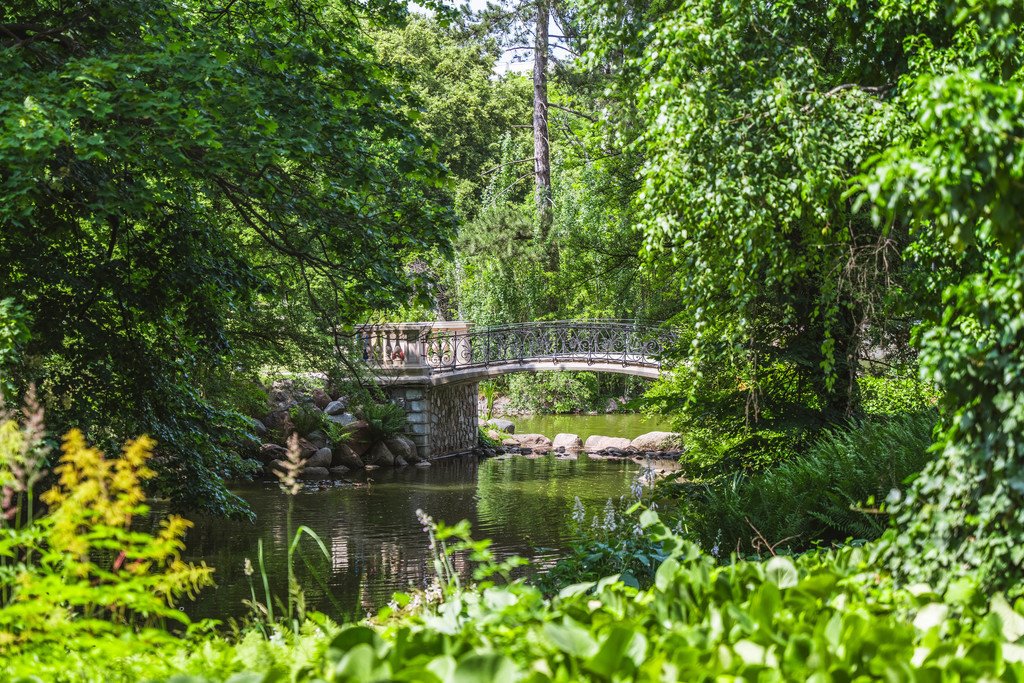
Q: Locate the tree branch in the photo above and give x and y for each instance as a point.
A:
(592, 119)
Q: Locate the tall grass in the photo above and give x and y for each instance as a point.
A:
(833, 493)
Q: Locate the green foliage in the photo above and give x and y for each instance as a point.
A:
(307, 418)
(385, 419)
(83, 576)
(886, 395)
(188, 190)
(463, 107)
(489, 390)
(827, 496)
(821, 616)
(485, 438)
(611, 544)
(553, 392)
(729, 428)
(710, 454)
(958, 176)
(238, 392)
(751, 139)
(14, 333)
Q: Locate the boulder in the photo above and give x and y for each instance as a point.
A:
(320, 398)
(258, 428)
(502, 424)
(314, 473)
(335, 408)
(596, 444)
(400, 461)
(342, 456)
(279, 422)
(269, 452)
(338, 471)
(423, 463)
(322, 458)
(403, 447)
(360, 439)
(535, 442)
(282, 395)
(307, 449)
(318, 439)
(569, 443)
(656, 441)
(342, 419)
(380, 456)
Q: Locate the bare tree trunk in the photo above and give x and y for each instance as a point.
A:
(541, 146)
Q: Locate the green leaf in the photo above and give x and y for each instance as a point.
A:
(781, 571)
(485, 667)
(1012, 623)
(571, 638)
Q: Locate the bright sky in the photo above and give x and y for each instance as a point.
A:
(505, 62)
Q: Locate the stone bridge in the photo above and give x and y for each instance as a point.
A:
(432, 369)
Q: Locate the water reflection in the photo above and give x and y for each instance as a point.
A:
(376, 544)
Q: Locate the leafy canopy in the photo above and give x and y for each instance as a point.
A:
(185, 187)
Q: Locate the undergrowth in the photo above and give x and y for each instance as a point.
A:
(837, 491)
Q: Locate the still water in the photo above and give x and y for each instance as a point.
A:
(376, 545)
(628, 425)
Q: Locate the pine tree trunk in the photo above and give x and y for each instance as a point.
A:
(541, 146)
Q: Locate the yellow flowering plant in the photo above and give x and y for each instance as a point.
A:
(85, 570)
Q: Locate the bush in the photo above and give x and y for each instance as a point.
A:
(84, 577)
(553, 392)
(884, 395)
(814, 498)
(307, 418)
(610, 544)
(710, 454)
(384, 419)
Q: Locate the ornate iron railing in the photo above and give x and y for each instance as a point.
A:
(454, 346)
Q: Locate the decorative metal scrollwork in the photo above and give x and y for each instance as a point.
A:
(587, 341)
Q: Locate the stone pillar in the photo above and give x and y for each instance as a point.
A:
(453, 419)
(440, 420)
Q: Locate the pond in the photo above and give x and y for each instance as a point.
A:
(628, 425)
(376, 544)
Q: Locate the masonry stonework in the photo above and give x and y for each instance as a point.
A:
(440, 420)
(453, 419)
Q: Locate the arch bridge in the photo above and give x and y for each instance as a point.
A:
(432, 369)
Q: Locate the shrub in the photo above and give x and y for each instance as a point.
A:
(553, 392)
(610, 544)
(710, 454)
(822, 616)
(885, 395)
(307, 418)
(385, 420)
(485, 439)
(814, 498)
(489, 390)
